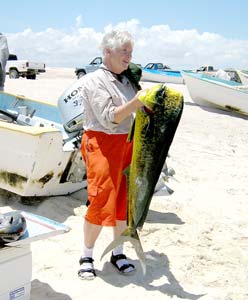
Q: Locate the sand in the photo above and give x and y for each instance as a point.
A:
(195, 240)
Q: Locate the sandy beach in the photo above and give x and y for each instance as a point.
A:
(195, 240)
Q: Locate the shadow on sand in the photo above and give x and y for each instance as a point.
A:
(218, 110)
(163, 218)
(158, 268)
(42, 291)
(57, 208)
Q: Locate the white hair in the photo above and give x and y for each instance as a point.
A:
(115, 39)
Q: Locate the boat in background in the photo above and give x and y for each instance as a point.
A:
(38, 156)
(157, 72)
(212, 91)
(243, 75)
(227, 73)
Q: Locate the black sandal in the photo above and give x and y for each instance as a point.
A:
(122, 270)
(86, 273)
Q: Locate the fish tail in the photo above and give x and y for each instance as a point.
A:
(129, 235)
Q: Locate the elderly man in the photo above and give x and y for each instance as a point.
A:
(111, 100)
(4, 55)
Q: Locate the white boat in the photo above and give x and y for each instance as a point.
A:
(38, 156)
(243, 75)
(212, 91)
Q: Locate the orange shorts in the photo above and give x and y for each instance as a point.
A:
(106, 157)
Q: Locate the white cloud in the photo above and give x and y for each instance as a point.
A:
(79, 20)
(180, 49)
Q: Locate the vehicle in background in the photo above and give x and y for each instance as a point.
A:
(208, 70)
(156, 66)
(16, 68)
(91, 67)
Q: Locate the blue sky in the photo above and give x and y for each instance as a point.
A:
(196, 31)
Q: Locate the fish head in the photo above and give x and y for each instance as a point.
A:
(152, 97)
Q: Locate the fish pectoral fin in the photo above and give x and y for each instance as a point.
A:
(133, 238)
(126, 172)
(131, 132)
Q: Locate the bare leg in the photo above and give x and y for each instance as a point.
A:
(91, 233)
(119, 228)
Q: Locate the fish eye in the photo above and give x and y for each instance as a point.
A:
(146, 110)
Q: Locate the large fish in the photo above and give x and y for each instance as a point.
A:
(153, 133)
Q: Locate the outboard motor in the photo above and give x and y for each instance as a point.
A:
(12, 227)
(71, 108)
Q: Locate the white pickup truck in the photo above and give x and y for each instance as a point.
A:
(208, 70)
(23, 68)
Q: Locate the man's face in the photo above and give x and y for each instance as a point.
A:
(121, 57)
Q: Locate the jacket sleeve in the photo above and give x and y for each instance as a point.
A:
(4, 51)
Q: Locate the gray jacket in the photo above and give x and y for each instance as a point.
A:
(4, 55)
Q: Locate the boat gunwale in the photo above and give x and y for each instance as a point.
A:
(236, 86)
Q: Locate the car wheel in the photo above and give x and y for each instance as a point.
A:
(32, 76)
(80, 74)
(13, 74)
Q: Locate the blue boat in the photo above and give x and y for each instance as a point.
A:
(157, 72)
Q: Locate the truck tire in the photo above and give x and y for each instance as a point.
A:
(80, 74)
(13, 74)
(31, 76)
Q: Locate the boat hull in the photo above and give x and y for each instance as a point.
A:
(37, 160)
(210, 91)
(169, 76)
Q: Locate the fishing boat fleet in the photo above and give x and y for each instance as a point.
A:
(40, 147)
(226, 89)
